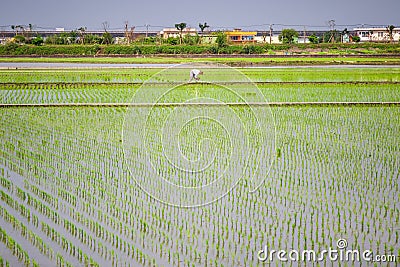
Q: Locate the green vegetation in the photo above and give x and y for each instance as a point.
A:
(38, 40)
(356, 39)
(67, 197)
(313, 39)
(221, 40)
(191, 46)
(288, 36)
(332, 36)
(46, 50)
(63, 38)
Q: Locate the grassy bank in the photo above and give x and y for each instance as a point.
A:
(13, 49)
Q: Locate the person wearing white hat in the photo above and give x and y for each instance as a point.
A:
(194, 74)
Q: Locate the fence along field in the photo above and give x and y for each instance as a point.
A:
(67, 197)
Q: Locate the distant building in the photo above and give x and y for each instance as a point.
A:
(376, 34)
(302, 40)
(265, 38)
(173, 32)
(239, 36)
(208, 38)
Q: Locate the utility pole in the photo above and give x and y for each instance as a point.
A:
(270, 33)
(304, 35)
(127, 39)
(147, 30)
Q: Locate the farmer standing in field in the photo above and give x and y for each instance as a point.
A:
(194, 74)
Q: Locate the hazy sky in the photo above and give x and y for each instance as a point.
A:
(73, 14)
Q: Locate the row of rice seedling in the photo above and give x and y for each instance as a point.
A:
(330, 74)
(255, 74)
(16, 250)
(340, 92)
(273, 92)
(76, 75)
(336, 177)
(82, 94)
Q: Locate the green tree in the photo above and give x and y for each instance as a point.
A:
(313, 39)
(356, 39)
(389, 30)
(288, 36)
(203, 26)
(180, 27)
(92, 39)
(172, 40)
(52, 39)
(191, 40)
(71, 37)
(107, 38)
(221, 40)
(38, 40)
(19, 39)
(331, 36)
(18, 27)
(253, 49)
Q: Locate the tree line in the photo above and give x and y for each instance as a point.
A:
(25, 35)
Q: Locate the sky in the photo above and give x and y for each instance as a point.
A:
(245, 14)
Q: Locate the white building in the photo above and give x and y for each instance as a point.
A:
(266, 39)
(173, 32)
(376, 34)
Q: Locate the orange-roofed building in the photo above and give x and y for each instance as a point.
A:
(239, 36)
